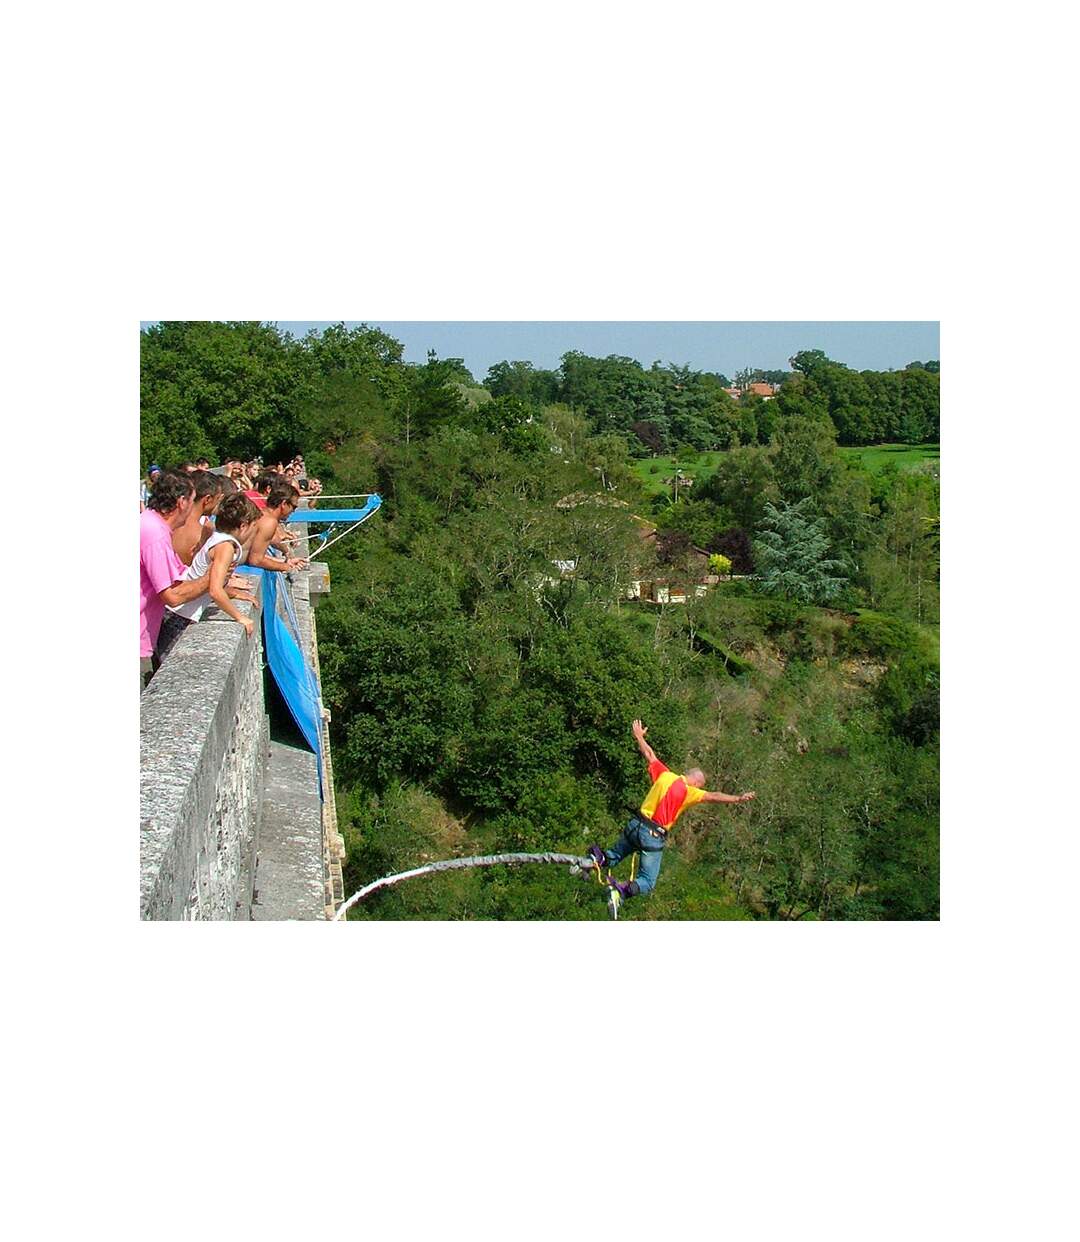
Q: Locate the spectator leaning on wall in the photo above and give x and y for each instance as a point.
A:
(280, 503)
(260, 489)
(218, 556)
(160, 569)
(197, 527)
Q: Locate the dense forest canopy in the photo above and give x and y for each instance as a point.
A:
(483, 659)
(237, 389)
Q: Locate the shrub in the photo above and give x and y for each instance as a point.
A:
(819, 634)
(908, 697)
(734, 543)
(873, 633)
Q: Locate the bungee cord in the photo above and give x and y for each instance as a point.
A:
(455, 864)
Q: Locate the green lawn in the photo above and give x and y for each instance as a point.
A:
(652, 471)
(875, 457)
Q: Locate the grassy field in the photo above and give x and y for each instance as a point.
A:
(875, 457)
(652, 471)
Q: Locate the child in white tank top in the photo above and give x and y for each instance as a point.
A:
(220, 554)
(200, 564)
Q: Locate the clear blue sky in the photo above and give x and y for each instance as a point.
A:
(724, 347)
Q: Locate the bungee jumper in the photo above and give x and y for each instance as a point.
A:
(646, 832)
(644, 836)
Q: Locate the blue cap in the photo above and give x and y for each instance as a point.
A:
(154, 466)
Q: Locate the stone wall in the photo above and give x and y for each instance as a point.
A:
(203, 742)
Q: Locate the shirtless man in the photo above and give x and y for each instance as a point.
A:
(280, 503)
(197, 527)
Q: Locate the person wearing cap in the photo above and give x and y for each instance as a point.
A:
(147, 484)
(648, 830)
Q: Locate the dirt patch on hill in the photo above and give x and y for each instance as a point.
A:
(862, 673)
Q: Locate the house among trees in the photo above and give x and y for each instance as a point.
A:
(677, 571)
(758, 388)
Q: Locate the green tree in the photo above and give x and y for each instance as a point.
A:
(603, 674)
(804, 457)
(432, 398)
(606, 455)
(226, 389)
(701, 520)
(792, 555)
(743, 483)
(807, 361)
(395, 673)
(613, 392)
(362, 350)
(920, 408)
(522, 380)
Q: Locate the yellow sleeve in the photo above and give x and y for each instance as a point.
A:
(693, 794)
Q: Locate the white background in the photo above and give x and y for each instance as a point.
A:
(496, 161)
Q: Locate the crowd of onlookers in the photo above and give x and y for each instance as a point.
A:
(245, 474)
(197, 527)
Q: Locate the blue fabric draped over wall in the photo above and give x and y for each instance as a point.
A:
(294, 675)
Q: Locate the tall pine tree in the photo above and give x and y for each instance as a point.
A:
(793, 554)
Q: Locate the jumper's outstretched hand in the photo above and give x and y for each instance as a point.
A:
(638, 730)
(747, 797)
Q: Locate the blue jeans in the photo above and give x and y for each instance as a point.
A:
(639, 836)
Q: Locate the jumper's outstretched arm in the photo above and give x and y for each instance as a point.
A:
(723, 797)
(639, 731)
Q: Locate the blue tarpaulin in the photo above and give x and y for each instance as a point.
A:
(281, 635)
(293, 673)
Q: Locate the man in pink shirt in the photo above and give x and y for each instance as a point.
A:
(160, 569)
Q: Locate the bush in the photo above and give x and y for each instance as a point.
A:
(740, 590)
(908, 697)
(873, 633)
(734, 543)
(704, 641)
(775, 616)
(819, 634)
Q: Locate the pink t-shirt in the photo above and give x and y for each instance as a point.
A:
(159, 568)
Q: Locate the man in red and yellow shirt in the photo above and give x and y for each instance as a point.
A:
(647, 832)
